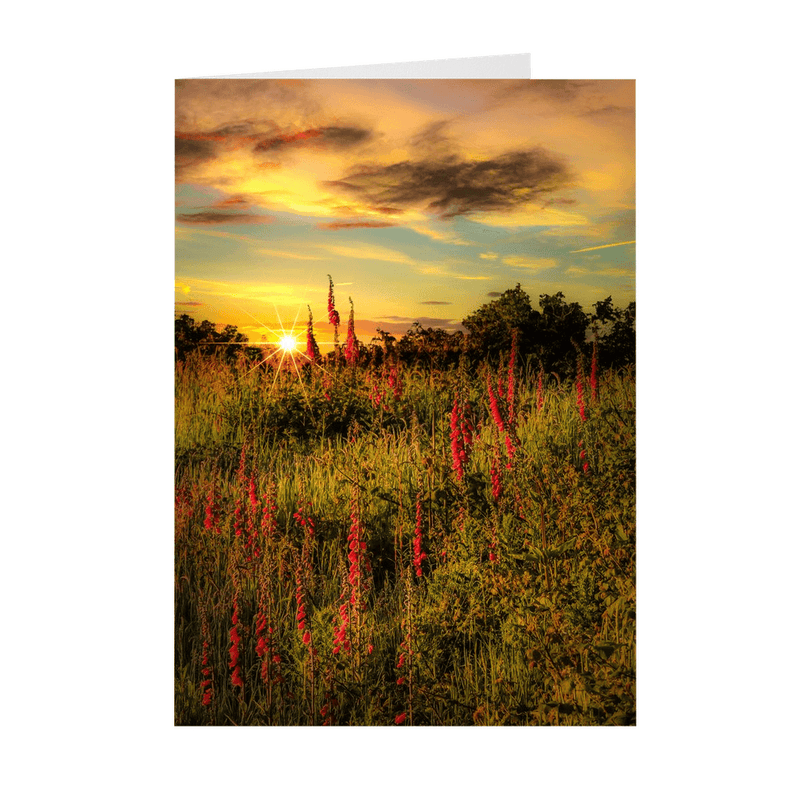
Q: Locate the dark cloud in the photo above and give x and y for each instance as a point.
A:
(221, 101)
(559, 201)
(455, 187)
(585, 98)
(335, 226)
(432, 138)
(191, 152)
(189, 303)
(494, 294)
(388, 210)
(607, 111)
(435, 303)
(233, 201)
(194, 147)
(236, 129)
(222, 218)
(334, 137)
(558, 89)
(564, 91)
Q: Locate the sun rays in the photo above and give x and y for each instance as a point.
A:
(282, 344)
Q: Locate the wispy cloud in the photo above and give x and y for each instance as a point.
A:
(436, 269)
(286, 254)
(368, 252)
(335, 226)
(621, 272)
(222, 218)
(602, 246)
(439, 234)
(531, 264)
(263, 293)
(191, 233)
(435, 303)
(489, 256)
(333, 136)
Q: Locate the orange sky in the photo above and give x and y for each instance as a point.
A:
(422, 199)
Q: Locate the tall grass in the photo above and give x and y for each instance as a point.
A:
(313, 504)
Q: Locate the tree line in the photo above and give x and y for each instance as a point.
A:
(549, 337)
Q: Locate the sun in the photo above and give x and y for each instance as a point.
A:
(288, 343)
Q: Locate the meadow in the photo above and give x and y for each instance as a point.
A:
(404, 544)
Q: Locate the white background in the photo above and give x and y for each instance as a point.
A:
(88, 276)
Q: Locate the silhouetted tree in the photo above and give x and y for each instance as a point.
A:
(615, 329)
(431, 346)
(548, 335)
(491, 326)
(561, 327)
(205, 336)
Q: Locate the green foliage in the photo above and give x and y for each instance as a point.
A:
(541, 634)
(548, 337)
(492, 325)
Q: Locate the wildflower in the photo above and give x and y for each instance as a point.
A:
(593, 377)
(236, 677)
(466, 427)
(579, 390)
(493, 545)
(333, 314)
(540, 390)
(400, 719)
(419, 556)
(206, 684)
(405, 649)
(211, 521)
(495, 408)
(352, 595)
(583, 456)
(510, 449)
(395, 384)
(269, 520)
(376, 394)
(459, 456)
(460, 436)
(510, 397)
(237, 519)
(351, 349)
(301, 607)
(312, 350)
(497, 486)
(251, 491)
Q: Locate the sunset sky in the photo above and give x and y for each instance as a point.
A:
(422, 199)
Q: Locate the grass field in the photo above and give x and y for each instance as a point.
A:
(403, 545)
